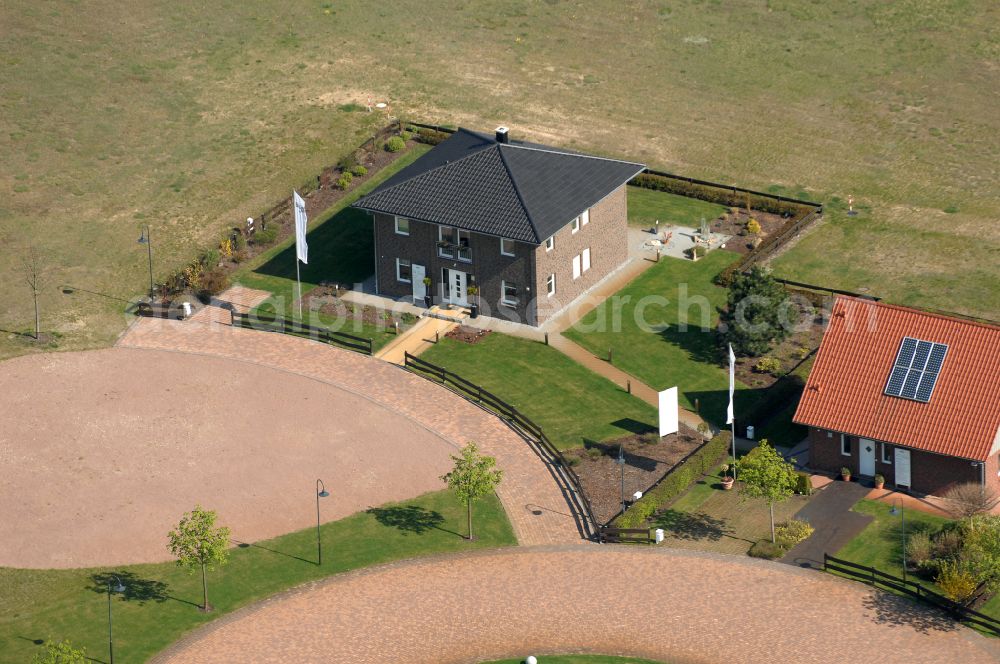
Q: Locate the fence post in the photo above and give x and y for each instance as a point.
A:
(609, 356)
(479, 393)
(442, 376)
(628, 386)
(546, 338)
(873, 575)
(825, 556)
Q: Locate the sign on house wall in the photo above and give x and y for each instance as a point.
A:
(669, 419)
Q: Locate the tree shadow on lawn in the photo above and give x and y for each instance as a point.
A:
(693, 525)
(137, 589)
(700, 345)
(341, 250)
(409, 519)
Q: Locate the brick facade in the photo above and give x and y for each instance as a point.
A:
(929, 473)
(606, 235)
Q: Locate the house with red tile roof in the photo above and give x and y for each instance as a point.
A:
(911, 395)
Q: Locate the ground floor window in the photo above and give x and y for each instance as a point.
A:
(576, 266)
(508, 294)
(845, 445)
(403, 270)
(550, 284)
(586, 259)
(886, 453)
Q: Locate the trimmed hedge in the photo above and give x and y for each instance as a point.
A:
(803, 485)
(431, 136)
(721, 195)
(675, 482)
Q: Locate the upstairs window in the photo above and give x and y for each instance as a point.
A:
(402, 226)
(506, 247)
(550, 285)
(454, 243)
(575, 225)
(550, 243)
(585, 217)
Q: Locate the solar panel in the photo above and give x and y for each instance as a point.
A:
(915, 372)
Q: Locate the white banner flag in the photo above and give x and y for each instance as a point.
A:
(669, 415)
(732, 385)
(301, 248)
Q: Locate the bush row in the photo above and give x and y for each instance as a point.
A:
(676, 481)
(719, 194)
(430, 136)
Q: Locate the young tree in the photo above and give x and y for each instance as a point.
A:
(765, 474)
(753, 320)
(968, 499)
(473, 477)
(35, 273)
(60, 653)
(196, 542)
(981, 547)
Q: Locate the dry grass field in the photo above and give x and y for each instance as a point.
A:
(189, 116)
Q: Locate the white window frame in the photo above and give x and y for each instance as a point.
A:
(503, 295)
(550, 243)
(550, 284)
(407, 231)
(585, 218)
(586, 259)
(844, 440)
(576, 267)
(886, 454)
(512, 251)
(399, 276)
(575, 225)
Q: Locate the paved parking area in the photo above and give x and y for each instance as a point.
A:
(672, 606)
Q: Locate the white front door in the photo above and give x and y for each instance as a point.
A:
(902, 467)
(867, 457)
(456, 287)
(417, 274)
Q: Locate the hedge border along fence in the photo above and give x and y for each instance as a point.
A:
(676, 481)
(800, 213)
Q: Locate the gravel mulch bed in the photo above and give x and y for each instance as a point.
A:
(469, 335)
(735, 223)
(647, 459)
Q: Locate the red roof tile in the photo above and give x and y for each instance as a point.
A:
(845, 390)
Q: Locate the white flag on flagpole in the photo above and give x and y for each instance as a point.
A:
(732, 385)
(301, 248)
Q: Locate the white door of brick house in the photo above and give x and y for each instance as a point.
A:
(902, 462)
(417, 274)
(455, 290)
(866, 457)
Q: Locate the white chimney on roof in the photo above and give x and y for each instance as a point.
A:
(502, 134)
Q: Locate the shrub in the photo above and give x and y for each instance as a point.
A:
(213, 282)
(802, 352)
(431, 136)
(792, 532)
(594, 453)
(348, 161)
(395, 144)
(769, 365)
(947, 544)
(753, 226)
(765, 549)
(720, 195)
(956, 582)
(405, 135)
(266, 235)
(358, 171)
(344, 181)
(676, 481)
(803, 484)
(919, 550)
(239, 242)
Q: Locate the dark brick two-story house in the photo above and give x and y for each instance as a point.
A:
(910, 395)
(530, 226)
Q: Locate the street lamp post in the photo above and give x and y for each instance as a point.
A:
(902, 523)
(621, 462)
(321, 492)
(118, 588)
(147, 240)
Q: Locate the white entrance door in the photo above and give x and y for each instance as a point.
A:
(902, 467)
(867, 457)
(455, 281)
(417, 274)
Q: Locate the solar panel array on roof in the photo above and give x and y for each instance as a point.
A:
(916, 369)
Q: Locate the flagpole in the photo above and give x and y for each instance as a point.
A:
(298, 285)
(734, 448)
(731, 411)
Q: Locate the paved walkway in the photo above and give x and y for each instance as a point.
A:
(417, 339)
(535, 501)
(672, 606)
(829, 512)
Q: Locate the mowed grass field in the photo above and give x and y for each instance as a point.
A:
(191, 117)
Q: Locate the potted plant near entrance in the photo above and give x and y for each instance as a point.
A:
(727, 479)
(879, 481)
(474, 306)
(845, 474)
(427, 292)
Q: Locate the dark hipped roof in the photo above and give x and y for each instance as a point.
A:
(517, 190)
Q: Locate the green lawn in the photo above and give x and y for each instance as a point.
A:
(571, 404)
(160, 604)
(578, 659)
(880, 544)
(341, 250)
(646, 206)
(668, 357)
